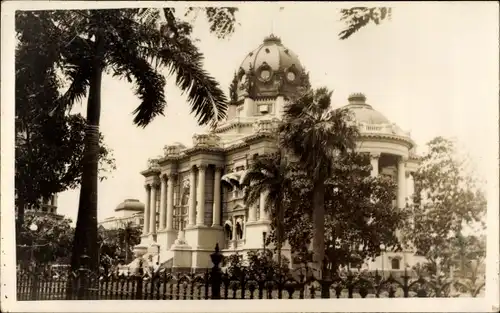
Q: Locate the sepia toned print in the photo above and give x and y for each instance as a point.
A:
(197, 153)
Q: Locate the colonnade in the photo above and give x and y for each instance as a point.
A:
(196, 214)
(405, 184)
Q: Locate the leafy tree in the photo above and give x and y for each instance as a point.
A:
(133, 44)
(116, 245)
(50, 243)
(314, 134)
(447, 198)
(222, 20)
(258, 264)
(358, 17)
(49, 141)
(359, 216)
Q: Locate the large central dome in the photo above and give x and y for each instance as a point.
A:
(268, 71)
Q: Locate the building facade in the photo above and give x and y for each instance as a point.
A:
(48, 206)
(193, 199)
(130, 211)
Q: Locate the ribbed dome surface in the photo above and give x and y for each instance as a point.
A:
(268, 71)
(130, 205)
(363, 112)
(273, 53)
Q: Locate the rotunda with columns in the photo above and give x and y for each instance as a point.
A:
(193, 195)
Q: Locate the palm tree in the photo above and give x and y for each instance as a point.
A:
(314, 133)
(130, 235)
(270, 174)
(134, 44)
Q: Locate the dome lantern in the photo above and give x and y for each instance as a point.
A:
(357, 98)
(363, 112)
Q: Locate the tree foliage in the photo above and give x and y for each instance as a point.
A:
(134, 44)
(50, 243)
(448, 197)
(358, 214)
(49, 141)
(358, 17)
(258, 264)
(222, 20)
(116, 245)
(270, 175)
(314, 134)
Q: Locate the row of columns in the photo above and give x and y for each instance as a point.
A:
(196, 200)
(404, 179)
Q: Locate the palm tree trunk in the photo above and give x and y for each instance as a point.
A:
(280, 214)
(85, 241)
(280, 234)
(318, 243)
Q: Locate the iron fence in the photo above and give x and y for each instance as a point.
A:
(214, 283)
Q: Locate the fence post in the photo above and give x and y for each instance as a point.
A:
(82, 277)
(139, 277)
(216, 276)
(406, 287)
(326, 280)
(34, 285)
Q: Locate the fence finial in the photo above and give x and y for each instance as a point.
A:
(216, 256)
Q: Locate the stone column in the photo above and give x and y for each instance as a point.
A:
(374, 157)
(252, 213)
(152, 208)
(401, 199)
(234, 229)
(217, 192)
(200, 214)
(410, 186)
(147, 208)
(170, 202)
(192, 198)
(163, 200)
(262, 205)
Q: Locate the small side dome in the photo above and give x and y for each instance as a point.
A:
(363, 112)
(130, 205)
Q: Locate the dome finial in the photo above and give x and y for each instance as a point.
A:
(357, 98)
(272, 38)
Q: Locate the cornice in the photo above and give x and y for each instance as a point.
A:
(406, 140)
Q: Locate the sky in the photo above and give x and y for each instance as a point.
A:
(432, 69)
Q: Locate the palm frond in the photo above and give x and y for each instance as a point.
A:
(150, 87)
(182, 57)
(170, 46)
(314, 132)
(78, 69)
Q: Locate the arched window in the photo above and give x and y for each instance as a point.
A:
(228, 232)
(185, 194)
(180, 214)
(239, 228)
(395, 264)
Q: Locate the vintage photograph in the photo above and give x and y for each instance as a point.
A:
(184, 151)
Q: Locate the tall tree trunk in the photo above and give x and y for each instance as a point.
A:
(85, 241)
(280, 234)
(318, 242)
(20, 215)
(280, 212)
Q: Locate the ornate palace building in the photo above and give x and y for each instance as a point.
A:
(193, 196)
